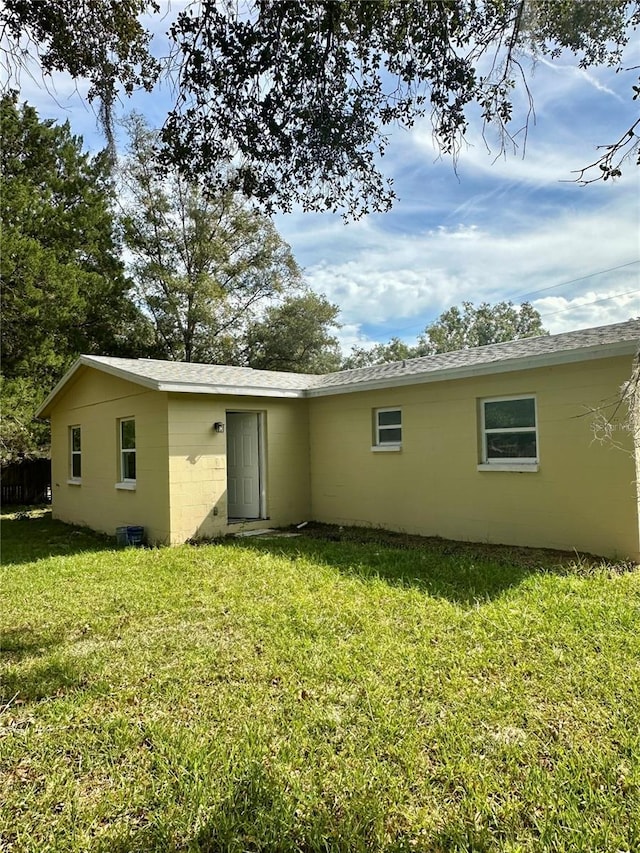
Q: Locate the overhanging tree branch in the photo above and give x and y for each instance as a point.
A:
(609, 164)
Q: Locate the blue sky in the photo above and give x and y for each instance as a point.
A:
(495, 227)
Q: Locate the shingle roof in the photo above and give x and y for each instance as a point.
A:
(178, 372)
(601, 341)
(479, 359)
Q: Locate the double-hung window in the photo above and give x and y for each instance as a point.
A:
(128, 450)
(509, 431)
(75, 454)
(387, 428)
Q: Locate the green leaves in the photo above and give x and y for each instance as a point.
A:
(204, 264)
(301, 94)
(457, 328)
(63, 286)
(98, 40)
(295, 336)
(478, 326)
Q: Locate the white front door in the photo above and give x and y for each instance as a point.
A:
(243, 465)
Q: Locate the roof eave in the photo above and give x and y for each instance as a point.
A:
(88, 361)
(230, 390)
(42, 410)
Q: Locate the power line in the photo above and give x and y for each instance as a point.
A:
(398, 332)
(588, 304)
(573, 280)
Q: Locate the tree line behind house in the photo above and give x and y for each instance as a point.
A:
(139, 262)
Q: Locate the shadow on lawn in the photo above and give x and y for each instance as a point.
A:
(261, 814)
(31, 534)
(19, 643)
(44, 681)
(257, 814)
(28, 678)
(461, 581)
(461, 572)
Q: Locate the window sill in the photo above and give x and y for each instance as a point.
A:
(73, 482)
(127, 487)
(386, 448)
(517, 467)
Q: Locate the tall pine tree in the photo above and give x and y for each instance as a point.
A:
(64, 290)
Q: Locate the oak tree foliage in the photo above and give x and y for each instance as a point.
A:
(455, 329)
(297, 335)
(204, 266)
(471, 326)
(301, 96)
(304, 94)
(395, 350)
(97, 40)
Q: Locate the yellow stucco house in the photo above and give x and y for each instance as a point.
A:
(494, 444)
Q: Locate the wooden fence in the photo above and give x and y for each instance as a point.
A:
(27, 482)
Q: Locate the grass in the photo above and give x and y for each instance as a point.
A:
(313, 695)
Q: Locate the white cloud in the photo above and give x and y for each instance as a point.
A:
(410, 278)
(551, 155)
(594, 308)
(376, 290)
(574, 111)
(349, 336)
(555, 80)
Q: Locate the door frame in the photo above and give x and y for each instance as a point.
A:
(261, 418)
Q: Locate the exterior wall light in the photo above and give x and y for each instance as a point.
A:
(218, 426)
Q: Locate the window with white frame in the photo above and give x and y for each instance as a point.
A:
(388, 427)
(75, 453)
(509, 431)
(128, 450)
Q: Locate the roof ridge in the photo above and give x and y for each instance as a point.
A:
(388, 366)
(484, 347)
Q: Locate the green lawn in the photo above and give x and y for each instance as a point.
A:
(310, 695)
